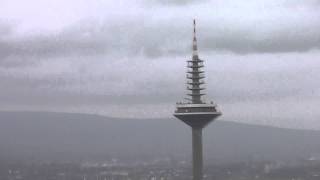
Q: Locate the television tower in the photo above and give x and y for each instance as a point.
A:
(195, 112)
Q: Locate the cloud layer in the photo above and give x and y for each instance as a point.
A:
(127, 58)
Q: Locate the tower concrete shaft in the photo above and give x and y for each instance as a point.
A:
(197, 157)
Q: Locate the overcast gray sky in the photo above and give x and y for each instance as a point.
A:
(127, 58)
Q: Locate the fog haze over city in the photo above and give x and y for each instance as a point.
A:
(127, 58)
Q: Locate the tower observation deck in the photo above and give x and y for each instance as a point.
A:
(195, 112)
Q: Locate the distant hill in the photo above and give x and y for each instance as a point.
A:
(66, 136)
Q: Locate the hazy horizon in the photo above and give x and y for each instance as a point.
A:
(65, 137)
